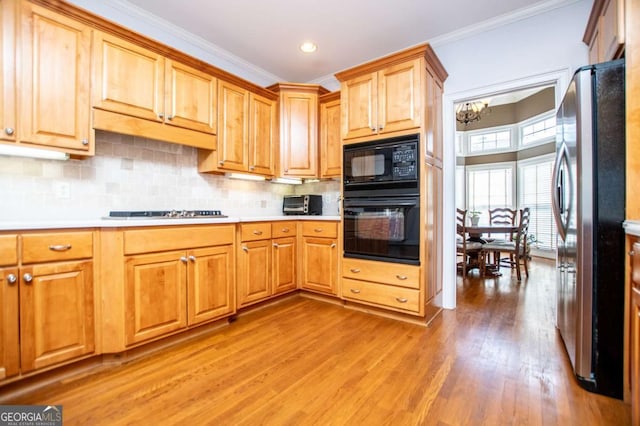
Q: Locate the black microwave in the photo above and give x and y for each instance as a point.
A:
(391, 164)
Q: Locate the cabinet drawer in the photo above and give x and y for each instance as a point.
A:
(283, 229)
(385, 295)
(57, 246)
(382, 272)
(320, 229)
(255, 231)
(8, 250)
(146, 240)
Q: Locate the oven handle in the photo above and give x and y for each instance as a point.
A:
(380, 203)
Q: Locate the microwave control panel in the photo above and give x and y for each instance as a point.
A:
(404, 161)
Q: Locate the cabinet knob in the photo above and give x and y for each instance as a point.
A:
(11, 278)
(27, 277)
(160, 115)
(60, 247)
(170, 117)
(221, 163)
(402, 299)
(276, 245)
(333, 245)
(381, 128)
(355, 270)
(192, 258)
(355, 290)
(401, 277)
(632, 253)
(183, 259)
(252, 168)
(245, 248)
(9, 131)
(85, 142)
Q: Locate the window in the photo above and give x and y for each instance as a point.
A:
(490, 186)
(534, 182)
(492, 141)
(539, 130)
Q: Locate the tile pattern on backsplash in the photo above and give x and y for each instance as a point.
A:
(132, 173)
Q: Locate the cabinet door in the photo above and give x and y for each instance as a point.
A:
(190, 97)
(433, 125)
(233, 129)
(320, 264)
(128, 78)
(55, 80)
(210, 283)
(262, 130)
(7, 71)
(432, 233)
(284, 265)
(635, 333)
(9, 343)
(155, 295)
(330, 144)
(399, 97)
(611, 32)
(299, 134)
(56, 313)
(254, 273)
(359, 110)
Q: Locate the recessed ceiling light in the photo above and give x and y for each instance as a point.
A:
(308, 47)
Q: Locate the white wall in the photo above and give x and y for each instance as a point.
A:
(543, 48)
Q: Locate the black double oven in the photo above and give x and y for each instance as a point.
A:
(381, 204)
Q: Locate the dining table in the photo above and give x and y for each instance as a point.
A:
(475, 234)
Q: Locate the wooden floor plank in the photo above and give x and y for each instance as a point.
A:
(496, 359)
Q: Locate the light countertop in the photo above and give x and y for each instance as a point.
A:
(123, 223)
(632, 227)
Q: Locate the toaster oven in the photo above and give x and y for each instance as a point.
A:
(302, 205)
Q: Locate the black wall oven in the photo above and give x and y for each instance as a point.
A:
(381, 205)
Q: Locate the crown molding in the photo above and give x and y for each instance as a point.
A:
(198, 47)
(499, 21)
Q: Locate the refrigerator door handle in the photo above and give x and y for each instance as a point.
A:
(557, 193)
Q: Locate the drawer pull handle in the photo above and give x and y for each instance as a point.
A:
(355, 270)
(333, 245)
(60, 247)
(318, 230)
(285, 229)
(245, 248)
(256, 232)
(402, 299)
(355, 291)
(401, 277)
(27, 277)
(11, 279)
(276, 245)
(632, 253)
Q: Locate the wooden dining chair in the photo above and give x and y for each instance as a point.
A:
(468, 250)
(501, 216)
(516, 248)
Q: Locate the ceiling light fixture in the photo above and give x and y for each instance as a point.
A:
(308, 47)
(469, 112)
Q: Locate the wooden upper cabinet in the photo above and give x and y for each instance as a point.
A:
(298, 120)
(233, 131)
(8, 126)
(330, 144)
(605, 33)
(383, 102)
(129, 79)
(262, 134)
(190, 98)
(55, 81)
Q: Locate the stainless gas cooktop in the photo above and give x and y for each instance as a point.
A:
(166, 214)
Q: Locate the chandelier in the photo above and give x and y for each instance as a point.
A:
(469, 112)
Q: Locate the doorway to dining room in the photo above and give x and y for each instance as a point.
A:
(488, 160)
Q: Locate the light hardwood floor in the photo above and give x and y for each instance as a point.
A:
(496, 359)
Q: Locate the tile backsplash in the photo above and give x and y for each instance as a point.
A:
(132, 173)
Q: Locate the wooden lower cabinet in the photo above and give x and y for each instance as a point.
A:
(9, 323)
(209, 291)
(387, 285)
(254, 271)
(635, 331)
(56, 313)
(319, 256)
(284, 264)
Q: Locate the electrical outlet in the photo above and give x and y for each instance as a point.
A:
(62, 190)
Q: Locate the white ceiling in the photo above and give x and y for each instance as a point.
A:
(267, 34)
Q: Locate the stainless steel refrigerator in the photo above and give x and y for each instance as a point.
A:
(588, 203)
